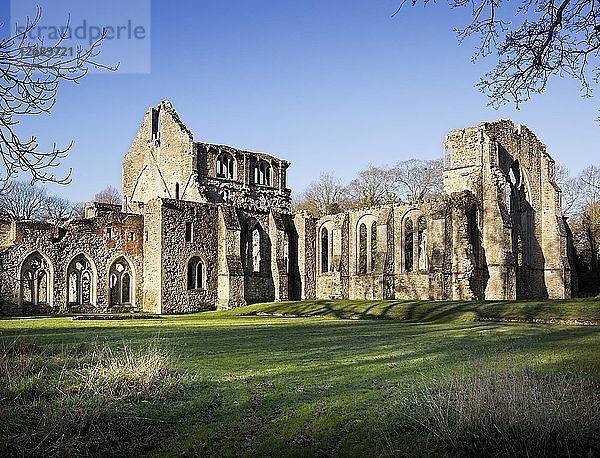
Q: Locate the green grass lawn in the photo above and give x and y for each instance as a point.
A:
(231, 383)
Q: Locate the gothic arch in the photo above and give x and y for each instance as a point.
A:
(325, 246)
(414, 248)
(255, 245)
(36, 278)
(521, 213)
(366, 243)
(226, 166)
(81, 280)
(196, 273)
(121, 282)
(262, 173)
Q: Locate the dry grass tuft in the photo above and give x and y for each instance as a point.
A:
(82, 400)
(514, 413)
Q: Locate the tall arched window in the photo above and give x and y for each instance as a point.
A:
(196, 274)
(80, 278)
(255, 250)
(373, 245)
(422, 243)
(324, 250)
(362, 249)
(286, 252)
(35, 280)
(262, 173)
(521, 214)
(408, 245)
(225, 166)
(120, 283)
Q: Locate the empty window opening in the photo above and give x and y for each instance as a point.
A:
(262, 173)
(35, 280)
(120, 283)
(408, 245)
(362, 249)
(80, 281)
(196, 274)
(189, 232)
(324, 250)
(225, 166)
(373, 245)
(422, 243)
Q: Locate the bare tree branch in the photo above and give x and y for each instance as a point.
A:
(28, 86)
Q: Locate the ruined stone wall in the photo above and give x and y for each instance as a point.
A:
(161, 161)
(259, 286)
(444, 266)
(59, 243)
(177, 252)
(231, 269)
(524, 239)
(305, 228)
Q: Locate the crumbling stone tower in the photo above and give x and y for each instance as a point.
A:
(521, 252)
(217, 219)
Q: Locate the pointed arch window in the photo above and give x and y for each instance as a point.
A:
(120, 281)
(255, 250)
(262, 173)
(35, 280)
(196, 274)
(225, 166)
(408, 245)
(80, 281)
(373, 245)
(362, 249)
(415, 251)
(324, 250)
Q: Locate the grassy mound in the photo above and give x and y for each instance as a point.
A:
(567, 312)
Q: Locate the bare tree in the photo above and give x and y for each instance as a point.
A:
(325, 196)
(59, 208)
(374, 186)
(29, 85)
(23, 200)
(533, 40)
(569, 186)
(581, 203)
(417, 179)
(109, 195)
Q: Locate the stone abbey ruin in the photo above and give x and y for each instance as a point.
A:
(206, 226)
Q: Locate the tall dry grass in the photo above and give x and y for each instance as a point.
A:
(513, 413)
(90, 399)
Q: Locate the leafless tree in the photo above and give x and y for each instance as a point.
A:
(533, 40)
(23, 200)
(374, 186)
(58, 208)
(325, 196)
(109, 195)
(28, 87)
(581, 202)
(417, 179)
(570, 187)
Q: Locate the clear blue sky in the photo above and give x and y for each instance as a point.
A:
(328, 85)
